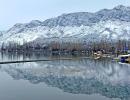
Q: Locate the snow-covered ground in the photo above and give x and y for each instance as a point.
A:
(103, 30)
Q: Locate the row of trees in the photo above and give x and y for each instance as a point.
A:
(107, 47)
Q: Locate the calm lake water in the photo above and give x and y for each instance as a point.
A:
(77, 79)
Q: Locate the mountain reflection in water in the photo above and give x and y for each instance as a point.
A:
(83, 76)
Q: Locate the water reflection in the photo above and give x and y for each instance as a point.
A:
(7, 56)
(82, 76)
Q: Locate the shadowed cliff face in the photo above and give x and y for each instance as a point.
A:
(82, 76)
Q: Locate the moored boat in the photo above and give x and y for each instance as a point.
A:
(124, 58)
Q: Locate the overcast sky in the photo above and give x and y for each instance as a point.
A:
(21, 11)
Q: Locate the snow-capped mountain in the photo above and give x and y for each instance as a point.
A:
(106, 24)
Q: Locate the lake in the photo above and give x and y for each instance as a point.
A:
(76, 79)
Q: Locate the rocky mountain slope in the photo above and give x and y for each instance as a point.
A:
(106, 24)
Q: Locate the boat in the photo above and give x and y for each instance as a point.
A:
(97, 55)
(124, 58)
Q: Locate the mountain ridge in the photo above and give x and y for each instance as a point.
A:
(75, 14)
(108, 24)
